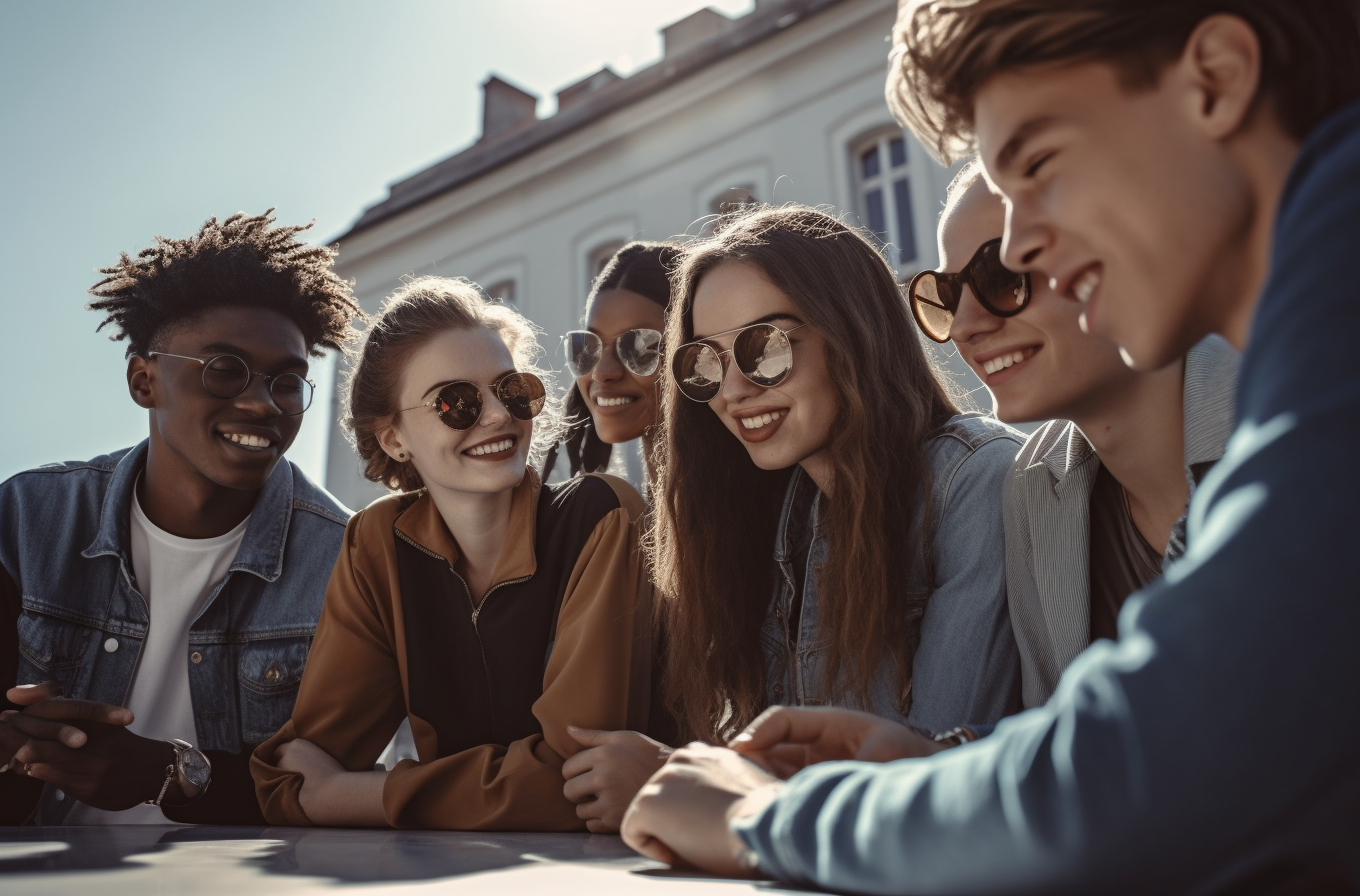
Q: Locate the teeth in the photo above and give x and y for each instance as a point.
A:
(247, 441)
(762, 420)
(1086, 285)
(492, 447)
(615, 402)
(1002, 362)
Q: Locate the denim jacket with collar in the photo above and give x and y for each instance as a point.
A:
(966, 666)
(64, 544)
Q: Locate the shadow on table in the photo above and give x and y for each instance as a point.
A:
(340, 855)
(382, 856)
(681, 875)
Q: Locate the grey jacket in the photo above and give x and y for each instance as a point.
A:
(1048, 519)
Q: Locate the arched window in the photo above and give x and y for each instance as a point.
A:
(597, 258)
(502, 291)
(883, 192)
(733, 199)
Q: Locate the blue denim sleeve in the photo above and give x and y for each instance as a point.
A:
(967, 667)
(1218, 737)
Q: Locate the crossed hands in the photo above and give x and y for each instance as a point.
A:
(82, 747)
(682, 816)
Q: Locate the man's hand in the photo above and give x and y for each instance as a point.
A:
(786, 739)
(682, 816)
(603, 778)
(84, 748)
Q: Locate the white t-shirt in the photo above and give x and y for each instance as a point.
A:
(176, 576)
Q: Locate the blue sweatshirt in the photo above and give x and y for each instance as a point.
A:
(1217, 744)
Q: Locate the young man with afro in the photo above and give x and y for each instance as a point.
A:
(157, 604)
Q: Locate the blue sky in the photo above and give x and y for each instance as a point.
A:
(121, 119)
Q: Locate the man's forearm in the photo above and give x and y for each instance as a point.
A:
(229, 799)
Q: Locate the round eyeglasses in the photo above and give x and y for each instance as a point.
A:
(227, 376)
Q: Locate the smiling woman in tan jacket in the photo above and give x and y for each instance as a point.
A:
(485, 608)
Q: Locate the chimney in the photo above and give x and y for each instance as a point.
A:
(505, 106)
(693, 30)
(575, 93)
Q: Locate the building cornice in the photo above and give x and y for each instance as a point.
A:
(485, 156)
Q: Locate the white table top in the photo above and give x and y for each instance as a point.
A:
(114, 860)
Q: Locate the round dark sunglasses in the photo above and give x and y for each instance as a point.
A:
(459, 404)
(638, 350)
(762, 352)
(935, 296)
(227, 376)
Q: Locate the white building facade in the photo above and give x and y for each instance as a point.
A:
(785, 103)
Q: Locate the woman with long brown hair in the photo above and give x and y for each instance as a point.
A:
(828, 524)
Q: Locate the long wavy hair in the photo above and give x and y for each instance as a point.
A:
(712, 546)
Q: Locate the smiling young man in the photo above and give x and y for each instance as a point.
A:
(158, 602)
(1182, 167)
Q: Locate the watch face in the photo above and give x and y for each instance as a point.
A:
(195, 767)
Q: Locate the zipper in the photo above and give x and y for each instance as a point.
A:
(477, 607)
(476, 611)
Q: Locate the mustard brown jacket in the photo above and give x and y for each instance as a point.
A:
(563, 636)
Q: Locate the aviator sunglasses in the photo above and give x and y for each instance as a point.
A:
(762, 352)
(459, 404)
(638, 350)
(935, 296)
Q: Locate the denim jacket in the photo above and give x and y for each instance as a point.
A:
(64, 542)
(966, 667)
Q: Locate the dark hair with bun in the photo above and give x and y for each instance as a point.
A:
(640, 267)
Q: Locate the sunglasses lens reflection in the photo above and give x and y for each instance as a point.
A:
(698, 371)
(763, 354)
(522, 394)
(459, 405)
(931, 312)
(640, 351)
(583, 351)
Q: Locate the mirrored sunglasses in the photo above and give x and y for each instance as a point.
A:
(459, 404)
(762, 352)
(638, 350)
(935, 296)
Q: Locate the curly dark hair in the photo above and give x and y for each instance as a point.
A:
(243, 260)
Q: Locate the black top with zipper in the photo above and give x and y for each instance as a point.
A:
(476, 661)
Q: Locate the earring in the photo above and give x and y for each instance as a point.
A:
(401, 456)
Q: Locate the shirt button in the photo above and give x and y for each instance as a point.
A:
(273, 673)
(195, 657)
(60, 795)
(111, 645)
(779, 690)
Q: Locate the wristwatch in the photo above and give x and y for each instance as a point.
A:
(956, 737)
(191, 769)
